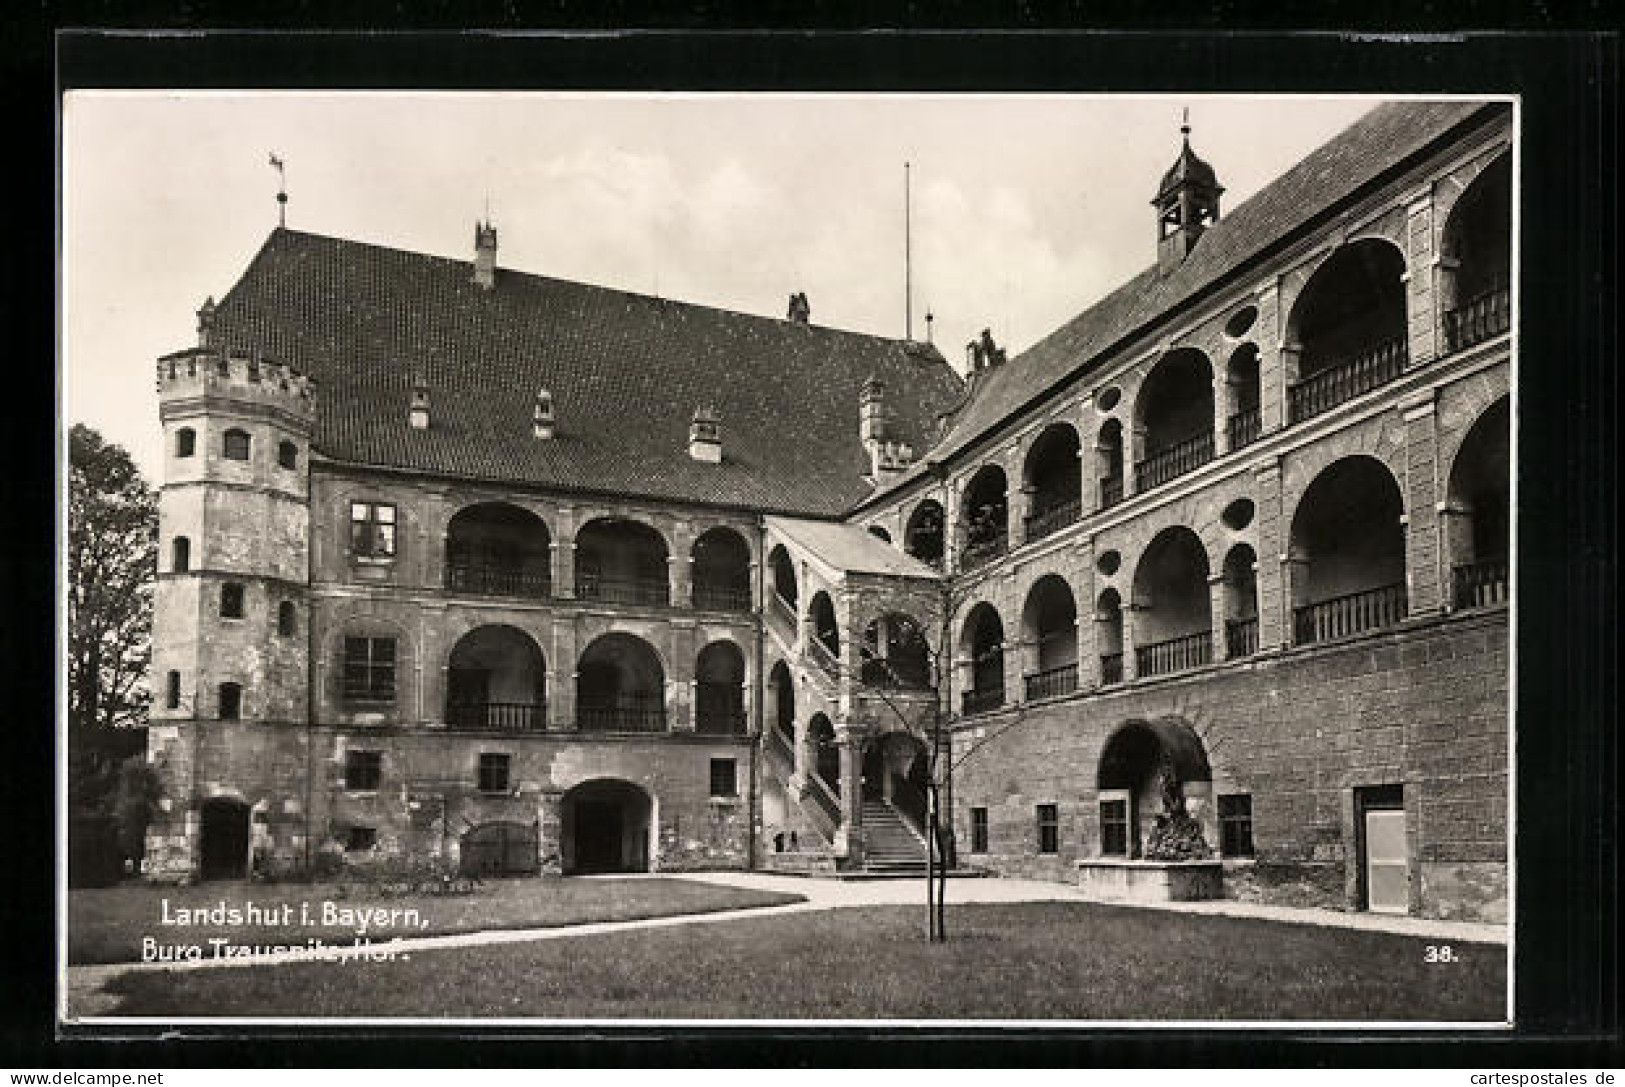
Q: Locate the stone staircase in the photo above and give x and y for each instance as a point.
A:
(890, 844)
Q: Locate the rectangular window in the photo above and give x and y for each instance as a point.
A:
(1114, 828)
(236, 445)
(1049, 829)
(493, 772)
(172, 694)
(724, 778)
(978, 830)
(231, 701)
(372, 530)
(1236, 825)
(369, 669)
(185, 442)
(363, 770)
(231, 600)
(360, 839)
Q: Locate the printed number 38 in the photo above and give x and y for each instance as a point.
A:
(1439, 953)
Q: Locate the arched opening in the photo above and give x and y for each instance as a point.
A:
(984, 513)
(1240, 602)
(496, 678)
(605, 826)
(981, 645)
(721, 571)
(782, 697)
(1109, 637)
(1478, 518)
(1241, 377)
(620, 686)
(496, 549)
(1154, 791)
(287, 455)
(1109, 463)
(499, 849)
(1346, 563)
(1174, 414)
(719, 690)
(825, 642)
(923, 539)
(895, 653)
(1477, 265)
(1054, 477)
(622, 562)
(783, 572)
(896, 769)
(1347, 329)
(879, 532)
(826, 753)
(1173, 613)
(180, 555)
(1049, 624)
(223, 839)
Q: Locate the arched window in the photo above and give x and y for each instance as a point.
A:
(180, 554)
(1347, 328)
(1049, 623)
(981, 644)
(620, 561)
(825, 644)
(923, 538)
(287, 619)
(784, 577)
(1241, 378)
(783, 690)
(984, 517)
(1055, 478)
(1477, 520)
(721, 571)
(719, 690)
(287, 455)
(185, 442)
(895, 653)
(496, 678)
(1109, 637)
(1173, 612)
(497, 549)
(1477, 246)
(1346, 563)
(620, 686)
(1175, 413)
(1240, 602)
(1109, 463)
(826, 754)
(230, 701)
(235, 444)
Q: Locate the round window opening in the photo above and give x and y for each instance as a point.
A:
(1240, 322)
(1238, 514)
(1107, 399)
(1108, 562)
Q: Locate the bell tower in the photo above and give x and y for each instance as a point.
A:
(1187, 203)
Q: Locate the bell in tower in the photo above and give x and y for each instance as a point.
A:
(1187, 203)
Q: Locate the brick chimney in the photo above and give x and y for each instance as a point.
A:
(418, 415)
(542, 423)
(705, 436)
(485, 255)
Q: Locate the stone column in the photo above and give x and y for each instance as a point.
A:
(1455, 548)
(1422, 321)
(562, 675)
(1020, 511)
(850, 743)
(1133, 454)
(1272, 363)
(680, 685)
(549, 828)
(1273, 530)
(1223, 407)
(1131, 609)
(1295, 594)
(1217, 614)
(1425, 595)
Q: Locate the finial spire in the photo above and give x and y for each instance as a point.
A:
(281, 190)
(1185, 124)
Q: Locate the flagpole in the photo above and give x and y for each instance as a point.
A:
(908, 260)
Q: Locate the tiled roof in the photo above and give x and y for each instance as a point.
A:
(1355, 157)
(626, 372)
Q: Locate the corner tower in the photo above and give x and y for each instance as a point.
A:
(230, 612)
(1187, 203)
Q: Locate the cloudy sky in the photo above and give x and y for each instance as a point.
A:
(1025, 209)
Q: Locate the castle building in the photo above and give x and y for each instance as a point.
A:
(1206, 590)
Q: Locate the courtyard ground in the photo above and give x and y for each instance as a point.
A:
(106, 925)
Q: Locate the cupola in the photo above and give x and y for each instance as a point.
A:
(485, 255)
(1187, 203)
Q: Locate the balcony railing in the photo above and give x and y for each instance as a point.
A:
(982, 700)
(499, 716)
(825, 659)
(780, 612)
(1240, 637)
(1347, 379)
(719, 709)
(649, 592)
(487, 580)
(1482, 317)
(1481, 584)
(898, 673)
(1053, 518)
(1173, 461)
(780, 745)
(1244, 427)
(1052, 682)
(1350, 614)
(721, 598)
(1174, 655)
(825, 798)
(1111, 492)
(621, 718)
(985, 550)
(1111, 668)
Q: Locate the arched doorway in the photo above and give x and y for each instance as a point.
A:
(223, 844)
(719, 690)
(1151, 773)
(620, 686)
(605, 827)
(896, 768)
(499, 849)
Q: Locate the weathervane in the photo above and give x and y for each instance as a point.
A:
(281, 190)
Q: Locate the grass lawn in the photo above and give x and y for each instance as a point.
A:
(106, 925)
(1028, 961)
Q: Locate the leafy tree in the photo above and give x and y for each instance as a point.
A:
(112, 560)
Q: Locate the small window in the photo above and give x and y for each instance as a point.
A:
(360, 839)
(180, 555)
(372, 530)
(172, 691)
(978, 830)
(1114, 828)
(369, 669)
(494, 772)
(287, 619)
(724, 778)
(231, 701)
(235, 446)
(185, 442)
(363, 770)
(231, 600)
(287, 455)
(1049, 829)
(1236, 825)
